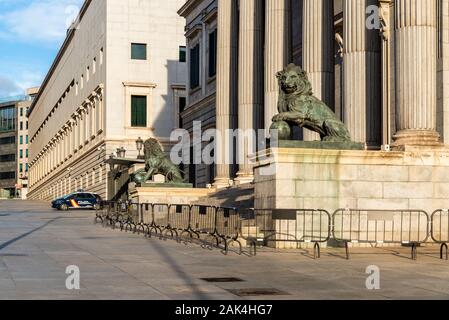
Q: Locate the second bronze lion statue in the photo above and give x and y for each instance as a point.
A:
(298, 106)
(156, 162)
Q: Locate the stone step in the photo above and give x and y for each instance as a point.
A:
(241, 196)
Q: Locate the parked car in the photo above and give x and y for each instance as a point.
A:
(78, 200)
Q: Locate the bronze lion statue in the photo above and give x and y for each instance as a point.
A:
(297, 106)
(156, 162)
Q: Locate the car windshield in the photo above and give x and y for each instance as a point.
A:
(67, 196)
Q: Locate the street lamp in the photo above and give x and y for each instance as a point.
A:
(121, 152)
(111, 163)
(139, 145)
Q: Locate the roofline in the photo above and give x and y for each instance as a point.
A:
(187, 7)
(71, 32)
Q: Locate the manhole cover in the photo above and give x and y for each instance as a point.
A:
(222, 279)
(257, 292)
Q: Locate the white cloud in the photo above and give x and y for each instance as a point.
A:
(17, 84)
(8, 87)
(39, 21)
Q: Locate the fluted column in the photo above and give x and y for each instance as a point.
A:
(277, 51)
(226, 85)
(250, 103)
(361, 74)
(318, 52)
(416, 73)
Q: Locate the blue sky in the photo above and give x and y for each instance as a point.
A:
(31, 32)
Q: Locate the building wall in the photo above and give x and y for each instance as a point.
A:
(79, 71)
(90, 88)
(12, 159)
(200, 21)
(22, 152)
(8, 159)
(156, 24)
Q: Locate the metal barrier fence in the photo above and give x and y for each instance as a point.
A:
(288, 226)
(114, 213)
(405, 227)
(221, 226)
(440, 230)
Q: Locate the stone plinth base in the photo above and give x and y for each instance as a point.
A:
(169, 193)
(410, 140)
(321, 145)
(370, 180)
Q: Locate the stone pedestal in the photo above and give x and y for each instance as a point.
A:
(333, 179)
(166, 193)
(330, 180)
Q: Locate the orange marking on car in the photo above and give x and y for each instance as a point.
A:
(74, 204)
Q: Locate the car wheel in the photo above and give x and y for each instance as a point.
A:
(64, 207)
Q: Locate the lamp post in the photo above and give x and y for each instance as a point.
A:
(139, 145)
(121, 152)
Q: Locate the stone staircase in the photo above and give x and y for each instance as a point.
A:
(241, 196)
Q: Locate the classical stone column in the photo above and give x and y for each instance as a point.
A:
(318, 51)
(277, 51)
(385, 33)
(226, 85)
(250, 101)
(416, 73)
(361, 74)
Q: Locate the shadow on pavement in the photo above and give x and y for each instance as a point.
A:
(8, 243)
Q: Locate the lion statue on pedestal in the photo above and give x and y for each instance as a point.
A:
(156, 162)
(298, 106)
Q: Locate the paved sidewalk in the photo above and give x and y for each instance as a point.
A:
(37, 244)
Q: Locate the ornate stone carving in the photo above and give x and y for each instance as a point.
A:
(298, 106)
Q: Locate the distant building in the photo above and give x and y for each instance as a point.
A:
(119, 75)
(14, 141)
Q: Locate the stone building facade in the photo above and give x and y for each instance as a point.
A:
(382, 65)
(119, 75)
(8, 148)
(14, 145)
